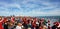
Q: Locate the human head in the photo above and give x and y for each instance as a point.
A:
(19, 24)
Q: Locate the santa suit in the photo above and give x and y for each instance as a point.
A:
(1, 23)
(1, 27)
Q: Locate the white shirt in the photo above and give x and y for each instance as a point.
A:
(18, 27)
(37, 23)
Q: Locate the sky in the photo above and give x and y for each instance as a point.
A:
(30, 7)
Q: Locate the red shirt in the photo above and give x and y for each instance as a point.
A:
(34, 24)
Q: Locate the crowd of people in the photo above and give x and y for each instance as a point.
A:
(27, 23)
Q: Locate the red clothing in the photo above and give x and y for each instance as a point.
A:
(1, 27)
(25, 21)
(1, 23)
(12, 19)
(49, 27)
(34, 24)
(40, 28)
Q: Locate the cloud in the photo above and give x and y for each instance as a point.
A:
(30, 7)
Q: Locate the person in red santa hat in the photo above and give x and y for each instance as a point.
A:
(55, 26)
(2, 20)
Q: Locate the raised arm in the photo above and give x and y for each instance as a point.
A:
(3, 20)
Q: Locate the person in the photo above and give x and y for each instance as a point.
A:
(29, 24)
(11, 25)
(43, 26)
(55, 26)
(5, 25)
(25, 23)
(19, 26)
(37, 24)
(34, 24)
(1, 22)
(40, 27)
(49, 27)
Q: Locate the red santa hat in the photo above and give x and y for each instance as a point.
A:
(56, 23)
